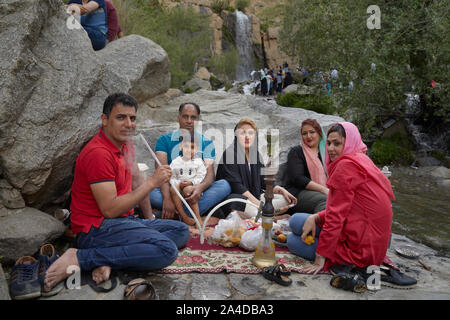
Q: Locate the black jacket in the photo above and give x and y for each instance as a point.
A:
(297, 176)
(234, 168)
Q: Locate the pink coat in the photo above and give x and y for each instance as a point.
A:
(356, 224)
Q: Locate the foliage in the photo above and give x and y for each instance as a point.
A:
(241, 5)
(326, 34)
(224, 66)
(217, 6)
(315, 102)
(394, 150)
(183, 33)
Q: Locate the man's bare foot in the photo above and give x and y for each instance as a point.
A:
(101, 274)
(58, 269)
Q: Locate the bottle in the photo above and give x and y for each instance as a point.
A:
(265, 249)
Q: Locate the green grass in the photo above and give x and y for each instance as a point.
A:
(393, 150)
(318, 103)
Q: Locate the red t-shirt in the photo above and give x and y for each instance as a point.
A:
(99, 161)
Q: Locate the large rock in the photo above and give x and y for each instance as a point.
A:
(196, 84)
(52, 89)
(24, 231)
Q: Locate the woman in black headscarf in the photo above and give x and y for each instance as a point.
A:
(241, 167)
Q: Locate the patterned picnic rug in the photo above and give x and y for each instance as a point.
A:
(213, 258)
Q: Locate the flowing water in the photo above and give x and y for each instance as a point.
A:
(244, 46)
(422, 208)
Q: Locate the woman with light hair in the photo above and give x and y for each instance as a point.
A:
(241, 166)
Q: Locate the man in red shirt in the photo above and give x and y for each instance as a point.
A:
(107, 186)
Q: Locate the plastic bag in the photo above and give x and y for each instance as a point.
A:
(228, 232)
(250, 239)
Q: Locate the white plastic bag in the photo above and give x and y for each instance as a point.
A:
(228, 232)
(250, 239)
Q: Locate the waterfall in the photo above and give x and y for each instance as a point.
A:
(244, 46)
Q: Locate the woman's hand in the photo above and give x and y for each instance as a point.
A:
(319, 262)
(286, 194)
(309, 227)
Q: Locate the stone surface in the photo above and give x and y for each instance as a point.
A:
(431, 285)
(10, 197)
(197, 84)
(203, 74)
(24, 231)
(53, 85)
(4, 290)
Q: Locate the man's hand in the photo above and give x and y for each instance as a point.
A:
(168, 209)
(195, 195)
(161, 175)
(185, 183)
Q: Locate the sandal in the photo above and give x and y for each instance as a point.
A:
(349, 282)
(139, 289)
(275, 273)
(283, 270)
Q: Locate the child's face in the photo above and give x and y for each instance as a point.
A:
(189, 149)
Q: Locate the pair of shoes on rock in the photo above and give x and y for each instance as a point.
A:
(278, 273)
(388, 277)
(28, 274)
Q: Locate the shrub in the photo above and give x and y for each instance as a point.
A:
(394, 150)
(183, 33)
(242, 4)
(224, 65)
(217, 6)
(318, 103)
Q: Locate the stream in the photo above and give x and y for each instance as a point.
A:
(421, 209)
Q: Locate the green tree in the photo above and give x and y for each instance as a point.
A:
(409, 50)
(183, 33)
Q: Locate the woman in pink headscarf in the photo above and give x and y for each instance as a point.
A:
(355, 227)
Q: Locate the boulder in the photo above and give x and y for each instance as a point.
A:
(23, 231)
(10, 197)
(53, 85)
(203, 74)
(196, 84)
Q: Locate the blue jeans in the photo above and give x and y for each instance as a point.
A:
(216, 192)
(98, 39)
(132, 243)
(295, 243)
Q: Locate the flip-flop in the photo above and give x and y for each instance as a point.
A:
(348, 281)
(139, 289)
(274, 273)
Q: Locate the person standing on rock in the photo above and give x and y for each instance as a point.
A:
(208, 193)
(114, 29)
(93, 19)
(106, 188)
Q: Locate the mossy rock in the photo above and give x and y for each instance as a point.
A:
(394, 150)
(216, 83)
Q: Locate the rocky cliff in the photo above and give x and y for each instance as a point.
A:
(52, 88)
(266, 33)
